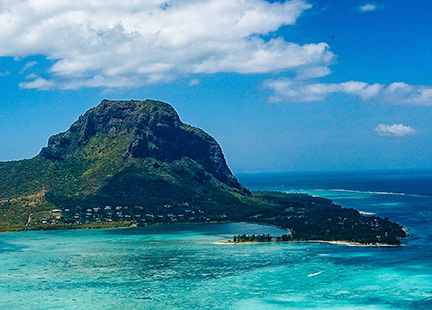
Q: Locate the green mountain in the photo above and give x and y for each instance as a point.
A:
(135, 163)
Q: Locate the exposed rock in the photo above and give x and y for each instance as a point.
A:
(156, 131)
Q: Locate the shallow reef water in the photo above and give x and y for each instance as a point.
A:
(184, 266)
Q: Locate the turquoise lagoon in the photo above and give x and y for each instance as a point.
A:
(184, 266)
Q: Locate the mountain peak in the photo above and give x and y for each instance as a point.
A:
(154, 130)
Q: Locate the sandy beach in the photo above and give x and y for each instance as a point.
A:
(346, 243)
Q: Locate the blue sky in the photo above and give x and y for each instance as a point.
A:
(282, 85)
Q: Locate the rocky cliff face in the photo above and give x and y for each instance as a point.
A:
(155, 131)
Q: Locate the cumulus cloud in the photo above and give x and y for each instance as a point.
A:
(293, 90)
(128, 43)
(368, 7)
(38, 83)
(396, 130)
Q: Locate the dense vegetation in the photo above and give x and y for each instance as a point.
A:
(136, 163)
(316, 218)
(253, 238)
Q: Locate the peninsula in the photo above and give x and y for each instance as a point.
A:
(134, 163)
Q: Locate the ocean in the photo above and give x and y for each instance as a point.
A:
(184, 267)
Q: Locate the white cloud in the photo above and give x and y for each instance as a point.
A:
(396, 130)
(194, 82)
(28, 65)
(292, 90)
(31, 76)
(312, 72)
(368, 7)
(128, 43)
(6, 73)
(38, 83)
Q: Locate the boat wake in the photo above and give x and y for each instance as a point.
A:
(314, 274)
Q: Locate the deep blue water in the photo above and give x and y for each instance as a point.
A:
(404, 196)
(397, 181)
(183, 266)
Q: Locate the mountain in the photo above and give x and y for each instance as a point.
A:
(135, 163)
(149, 129)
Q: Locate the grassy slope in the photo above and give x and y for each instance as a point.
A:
(98, 174)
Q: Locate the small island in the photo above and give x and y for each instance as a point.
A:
(135, 163)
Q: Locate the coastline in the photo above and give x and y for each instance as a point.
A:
(114, 225)
(346, 243)
(223, 242)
